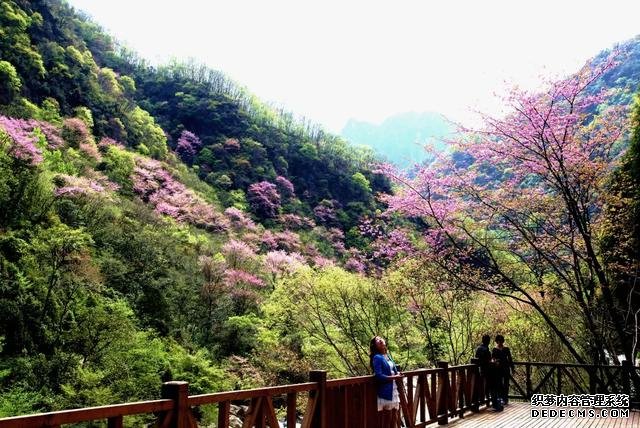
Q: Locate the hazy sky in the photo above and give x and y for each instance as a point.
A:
(334, 60)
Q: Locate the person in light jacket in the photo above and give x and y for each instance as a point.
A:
(385, 371)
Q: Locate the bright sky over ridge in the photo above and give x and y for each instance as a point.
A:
(334, 60)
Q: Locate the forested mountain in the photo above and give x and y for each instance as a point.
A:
(161, 223)
(147, 213)
(401, 138)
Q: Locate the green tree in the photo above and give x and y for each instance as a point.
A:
(10, 83)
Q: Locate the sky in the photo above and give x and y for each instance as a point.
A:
(332, 60)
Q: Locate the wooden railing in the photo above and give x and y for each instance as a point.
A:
(427, 396)
(560, 378)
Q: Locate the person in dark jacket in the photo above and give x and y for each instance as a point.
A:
(385, 371)
(503, 364)
(483, 355)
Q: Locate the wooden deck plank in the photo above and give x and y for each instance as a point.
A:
(518, 415)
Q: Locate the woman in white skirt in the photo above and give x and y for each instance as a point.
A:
(385, 371)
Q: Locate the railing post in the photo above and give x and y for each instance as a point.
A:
(443, 393)
(626, 377)
(179, 393)
(559, 379)
(529, 386)
(115, 422)
(593, 373)
(320, 416)
(476, 392)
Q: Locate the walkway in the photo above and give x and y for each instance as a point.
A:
(518, 415)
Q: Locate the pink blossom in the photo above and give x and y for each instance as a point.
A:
(232, 144)
(322, 262)
(106, 142)
(286, 240)
(239, 220)
(51, 133)
(280, 262)
(91, 150)
(156, 185)
(236, 278)
(22, 142)
(264, 199)
(527, 184)
(294, 222)
(75, 132)
(237, 253)
(325, 212)
(76, 186)
(354, 265)
(285, 186)
(394, 244)
(188, 146)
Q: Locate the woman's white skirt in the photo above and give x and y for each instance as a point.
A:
(394, 403)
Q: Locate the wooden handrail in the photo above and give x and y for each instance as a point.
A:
(570, 378)
(426, 396)
(247, 394)
(86, 414)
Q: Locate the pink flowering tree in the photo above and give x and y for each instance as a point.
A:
(244, 288)
(72, 186)
(285, 187)
(17, 138)
(515, 212)
(75, 132)
(238, 254)
(188, 146)
(326, 212)
(264, 199)
(280, 263)
(157, 186)
(286, 240)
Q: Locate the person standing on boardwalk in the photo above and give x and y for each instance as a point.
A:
(483, 355)
(503, 363)
(385, 371)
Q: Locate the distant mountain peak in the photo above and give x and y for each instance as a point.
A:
(401, 138)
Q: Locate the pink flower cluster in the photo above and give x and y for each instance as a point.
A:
(295, 222)
(281, 262)
(531, 178)
(232, 144)
(75, 131)
(264, 199)
(355, 265)
(23, 141)
(322, 262)
(237, 253)
(240, 221)
(287, 240)
(285, 187)
(105, 142)
(77, 186)
(188, 146)
(394, 244)
(156, 185)
(23, 144)
(236, 278)
(91, 150)
(325, 212)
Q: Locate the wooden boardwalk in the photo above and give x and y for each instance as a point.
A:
(518, 415)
